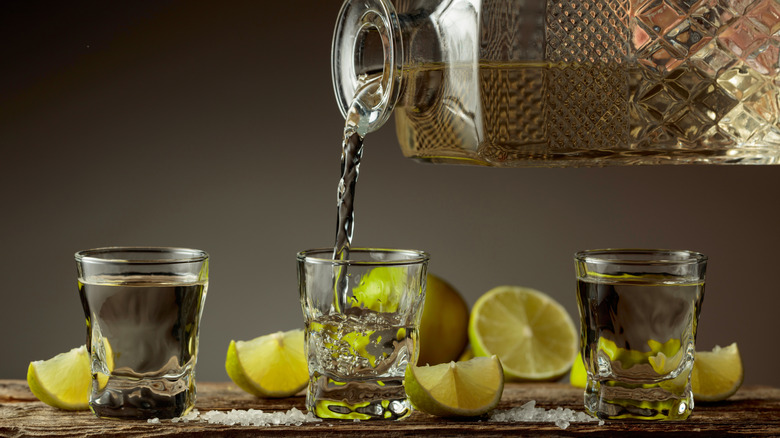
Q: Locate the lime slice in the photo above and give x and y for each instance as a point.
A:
(456, 389)
(63, 381)
(269, 366)
(717, 374)
(529, 331)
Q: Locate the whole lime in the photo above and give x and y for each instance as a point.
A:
(444, 325)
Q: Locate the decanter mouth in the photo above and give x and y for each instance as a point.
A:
(367, 42)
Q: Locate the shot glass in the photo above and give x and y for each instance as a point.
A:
(362, 316)
(143, 308)
(639, 309)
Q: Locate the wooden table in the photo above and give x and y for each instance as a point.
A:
(753, 411)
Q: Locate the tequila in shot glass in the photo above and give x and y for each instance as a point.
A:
(362, 316)
(639, 310)
(143, 309)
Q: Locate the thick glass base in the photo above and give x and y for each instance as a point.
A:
(357, 399)
(142, 398)
(611, 400)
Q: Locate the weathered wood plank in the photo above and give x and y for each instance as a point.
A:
(753, 411)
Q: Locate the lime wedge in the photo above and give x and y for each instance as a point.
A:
(530, 332)
(717, 374)
(380, 290)
(63, 381)
(273, 365)
(456, 389)
(578, 377)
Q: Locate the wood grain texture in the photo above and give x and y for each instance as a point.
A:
(752, 411)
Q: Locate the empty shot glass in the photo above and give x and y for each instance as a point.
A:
(639, 309)
(362, 316)
(143, 308)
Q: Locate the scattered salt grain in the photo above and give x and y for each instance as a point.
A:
(191, 416)
(251, 417)
(529, 412)
(153, 421)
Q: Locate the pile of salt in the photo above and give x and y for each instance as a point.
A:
(529, 412)
(251, 417)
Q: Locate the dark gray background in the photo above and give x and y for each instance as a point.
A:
(213, 125)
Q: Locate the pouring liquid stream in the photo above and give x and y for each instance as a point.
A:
(355, 130)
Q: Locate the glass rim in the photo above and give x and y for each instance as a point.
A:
(103, 255)
(313, 256)
(632, 256)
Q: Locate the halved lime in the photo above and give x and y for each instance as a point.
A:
(530, 332)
